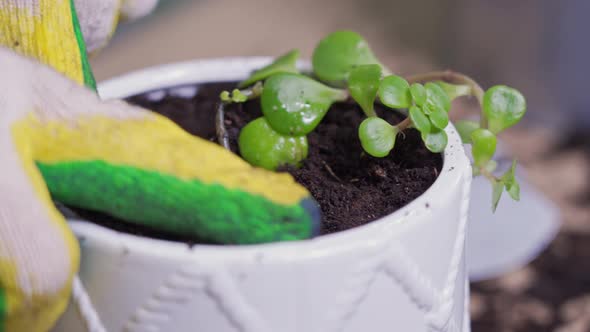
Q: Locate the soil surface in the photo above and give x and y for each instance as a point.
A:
(351, 187)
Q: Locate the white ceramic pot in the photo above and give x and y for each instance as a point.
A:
(405, 272)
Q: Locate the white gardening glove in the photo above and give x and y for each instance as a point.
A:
(57, 138)
(47, 31)
(99, 18)
(38, 254)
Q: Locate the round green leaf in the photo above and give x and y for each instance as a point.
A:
(509, 177)
(261, 146)
(436, 97)
(238, 96)
(465, 128)
(439, 118)
(510, 182)
(503, 107)
(497, 190)
(377, 136)
(491, 166)
(394, 92)
(286, 63)
(427, 109)
(418, 93)
(454, 90)
(338, 53)
(294, 104)
(225, 96)
(514, 190)
(483, 146)
(363, 84)
(420, 121)
(435, 141)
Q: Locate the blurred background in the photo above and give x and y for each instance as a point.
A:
(538, 46)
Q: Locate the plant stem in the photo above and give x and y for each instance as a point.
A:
(487, 174)
(404, 124)
(370, 112)
(250, 93)
(254, 92)
(455, 78)
(220, 130)
(342, 95)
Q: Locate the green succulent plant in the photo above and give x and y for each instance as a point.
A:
(344, 68)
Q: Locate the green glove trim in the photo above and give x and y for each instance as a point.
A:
(3, 308)
(89, 80)
(188, 208)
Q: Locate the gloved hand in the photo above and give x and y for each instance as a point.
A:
(58, 139)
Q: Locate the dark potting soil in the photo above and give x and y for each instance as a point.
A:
(351, 187)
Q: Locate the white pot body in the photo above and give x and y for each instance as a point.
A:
(405, 272)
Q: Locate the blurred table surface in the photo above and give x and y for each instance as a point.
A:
(553, 292)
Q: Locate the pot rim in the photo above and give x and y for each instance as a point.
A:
(455, 164)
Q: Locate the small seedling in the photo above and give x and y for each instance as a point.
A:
(344, 67)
